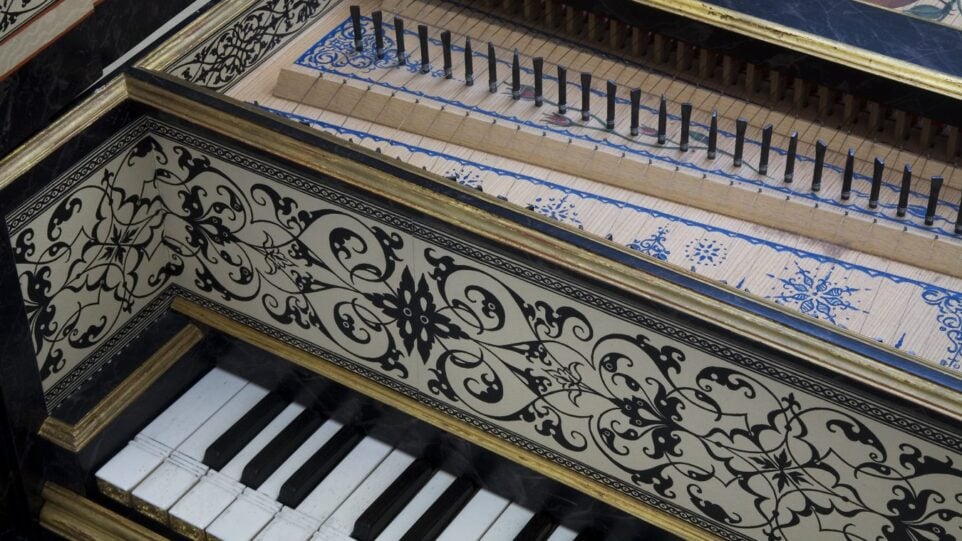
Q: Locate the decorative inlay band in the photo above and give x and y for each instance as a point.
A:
(14, 14)
(242, 45)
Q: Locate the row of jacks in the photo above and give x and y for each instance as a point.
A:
(741, 124)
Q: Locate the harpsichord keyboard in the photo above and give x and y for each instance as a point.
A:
(233, 460)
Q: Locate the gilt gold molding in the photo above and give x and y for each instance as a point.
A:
(440, 420)
(621, 276)
(818, 46)
(74, 517)
(74, 437)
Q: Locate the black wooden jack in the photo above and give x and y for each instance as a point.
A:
(790, 157)
(877, 172)
(904, 191)
(538, 64)
(585, 96)
(713, 135)
(356, 23)
(820, 149)
(378, 19)
(662, 120)
(399, 40)
(766, 149)
(934, 190)
(492, 69)
(741, 126)
(425, 53)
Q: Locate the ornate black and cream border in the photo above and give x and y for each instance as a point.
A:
(246, 41)
(14, 14)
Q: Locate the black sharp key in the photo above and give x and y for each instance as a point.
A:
(904, 192)
(356, 22)
(662, 120)
(741, 126)
(848, 175)
(585, 96)
(399, 40)
(766, 149)
(538, 63)
(562, 90)
(468, 63)
(280, 448)
(321, 463)
(243, 431)
(635, 107)
(378, 19)
(515, 76)
(538, 528)
(790, 157)
(934, 190)
(820, 149)
(877, 171)
(430, 525)
(713, 135)
(425, 53)
(685, 126)
(492, 69)
(446, 54)
(386, 507)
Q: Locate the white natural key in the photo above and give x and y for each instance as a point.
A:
(169, 429)
(347, 476)
(184, 467)
(380, 479)
(476, 517)
(201, 506)
(508, 524)
(417, 506)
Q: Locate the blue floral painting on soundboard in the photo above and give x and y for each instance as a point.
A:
(557, 208)
(815, 294)
(654, 245)
(706, 252)
(464, 176)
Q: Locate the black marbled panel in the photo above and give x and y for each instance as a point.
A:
(22, 395)
(793, 63)
(33, 95)
(48, 83)
(121, 24)
(13, 506)
(880, 31)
